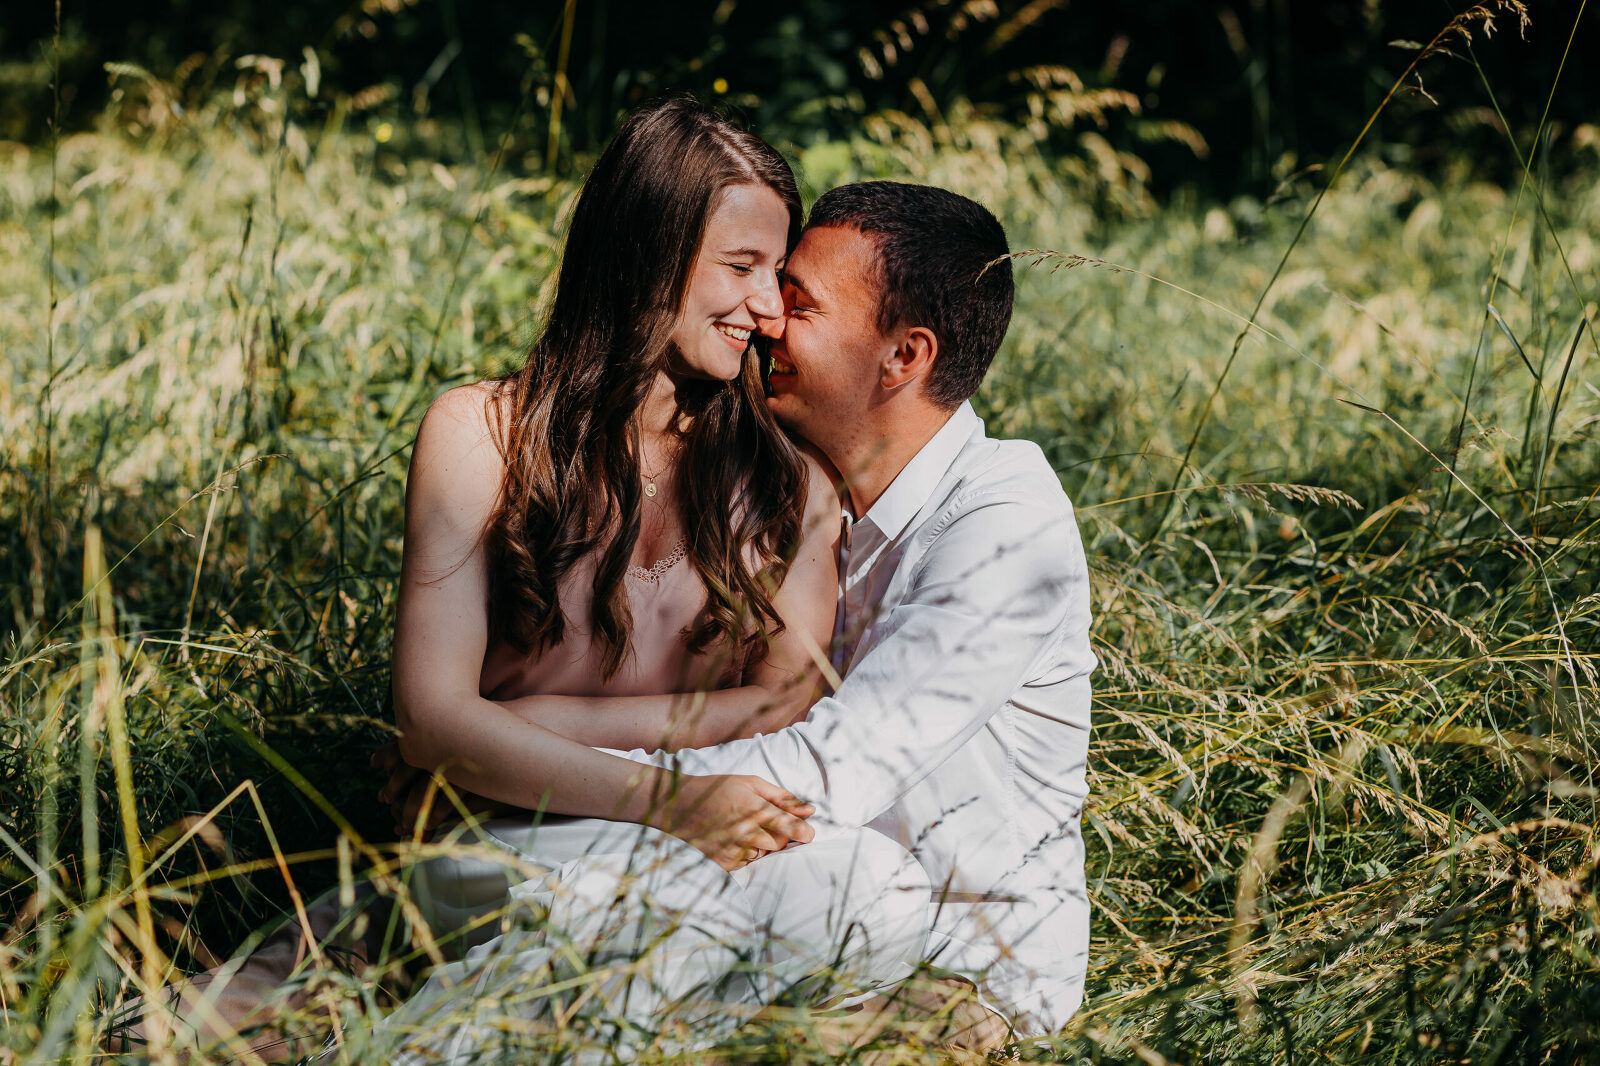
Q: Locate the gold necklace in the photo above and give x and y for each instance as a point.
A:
(650, 479)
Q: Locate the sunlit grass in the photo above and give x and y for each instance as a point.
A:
(1343, 771)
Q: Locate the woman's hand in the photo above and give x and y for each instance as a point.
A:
(734, 818)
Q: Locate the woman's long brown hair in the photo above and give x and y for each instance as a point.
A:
(566, 420)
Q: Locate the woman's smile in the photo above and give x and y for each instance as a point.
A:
(737, 336)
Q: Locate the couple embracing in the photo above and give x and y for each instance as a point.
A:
(793, 667)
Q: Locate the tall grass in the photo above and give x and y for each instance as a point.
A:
(1343, 772)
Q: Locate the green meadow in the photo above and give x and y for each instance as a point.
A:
(1334, 452)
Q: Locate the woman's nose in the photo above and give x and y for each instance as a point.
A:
(767, 301)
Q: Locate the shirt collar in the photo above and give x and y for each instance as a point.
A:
(914, 485)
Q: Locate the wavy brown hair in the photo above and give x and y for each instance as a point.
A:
(567, 420)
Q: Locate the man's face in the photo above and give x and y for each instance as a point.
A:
(827, 362)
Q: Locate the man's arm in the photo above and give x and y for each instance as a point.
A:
(1003, 584)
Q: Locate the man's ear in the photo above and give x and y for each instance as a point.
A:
(912, 357)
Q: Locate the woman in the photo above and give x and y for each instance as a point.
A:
(621, 518)
(618, 520)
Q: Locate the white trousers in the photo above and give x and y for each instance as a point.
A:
(604, 938)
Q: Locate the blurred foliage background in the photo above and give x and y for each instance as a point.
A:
(1333, 432)
(1226, 96)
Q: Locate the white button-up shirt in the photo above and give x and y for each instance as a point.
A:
(962, 725)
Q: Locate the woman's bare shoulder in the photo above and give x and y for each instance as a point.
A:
(819, 526)
(466, 408)
(458, 456)
(822, 483)
(465, 419)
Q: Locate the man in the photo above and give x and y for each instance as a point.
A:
(961, 725)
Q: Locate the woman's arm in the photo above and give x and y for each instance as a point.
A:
(441, 635)
(778, 689)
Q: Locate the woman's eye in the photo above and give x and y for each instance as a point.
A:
(742, 268)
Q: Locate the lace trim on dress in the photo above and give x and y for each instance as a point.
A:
(667, 562)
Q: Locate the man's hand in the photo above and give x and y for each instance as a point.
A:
(409, 788)
(734, 818)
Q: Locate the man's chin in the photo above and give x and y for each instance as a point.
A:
(783, 409)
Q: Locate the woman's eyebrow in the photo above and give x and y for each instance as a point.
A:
(745, 253)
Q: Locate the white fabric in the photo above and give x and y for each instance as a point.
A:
(645, 942)
(961, 728)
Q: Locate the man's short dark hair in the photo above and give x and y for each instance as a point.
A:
(941, 264)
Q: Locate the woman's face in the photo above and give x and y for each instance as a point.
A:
(733, 291)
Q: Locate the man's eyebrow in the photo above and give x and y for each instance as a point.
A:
(790, 278)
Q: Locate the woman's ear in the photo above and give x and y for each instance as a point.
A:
(911, 358)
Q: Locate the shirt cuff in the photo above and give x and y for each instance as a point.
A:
(662, 759)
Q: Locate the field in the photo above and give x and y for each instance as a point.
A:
(1337, 481)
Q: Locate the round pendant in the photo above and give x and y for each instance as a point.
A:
(649, 488)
